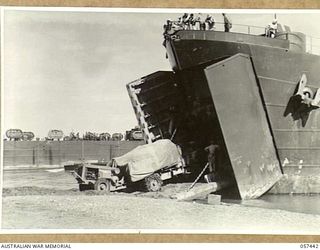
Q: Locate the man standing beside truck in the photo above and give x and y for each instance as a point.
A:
(212, 155)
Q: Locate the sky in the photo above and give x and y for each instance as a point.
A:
(68, 70)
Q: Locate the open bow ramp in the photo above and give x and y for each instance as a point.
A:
(244, 125)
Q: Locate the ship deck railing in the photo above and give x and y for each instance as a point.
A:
(312, 43)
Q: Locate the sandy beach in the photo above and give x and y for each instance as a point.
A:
(53, 206)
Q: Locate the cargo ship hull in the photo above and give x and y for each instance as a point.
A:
(203, 94)
(278, 71)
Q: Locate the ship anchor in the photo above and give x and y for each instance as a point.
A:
(303, 101)
(306, 93)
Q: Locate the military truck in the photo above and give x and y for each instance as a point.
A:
(149, 164)
(14, 134)
(134, 134)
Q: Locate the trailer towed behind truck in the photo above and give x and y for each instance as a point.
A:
(149, 164)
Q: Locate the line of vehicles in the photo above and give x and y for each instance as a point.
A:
(134, 134)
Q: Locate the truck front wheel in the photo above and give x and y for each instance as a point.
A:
(153, 183)
(103, 185)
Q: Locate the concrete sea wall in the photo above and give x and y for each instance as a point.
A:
(17, 153)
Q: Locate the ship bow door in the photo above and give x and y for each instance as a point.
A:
(244, 125)
(153, 98)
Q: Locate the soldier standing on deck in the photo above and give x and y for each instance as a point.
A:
(210, 21)
(190, 21)
(273, 28)
(227, 23)
(184, 21)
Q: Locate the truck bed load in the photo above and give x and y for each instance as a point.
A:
(147, 159)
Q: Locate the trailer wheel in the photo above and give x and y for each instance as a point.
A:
(153, 183)
(102, 185)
